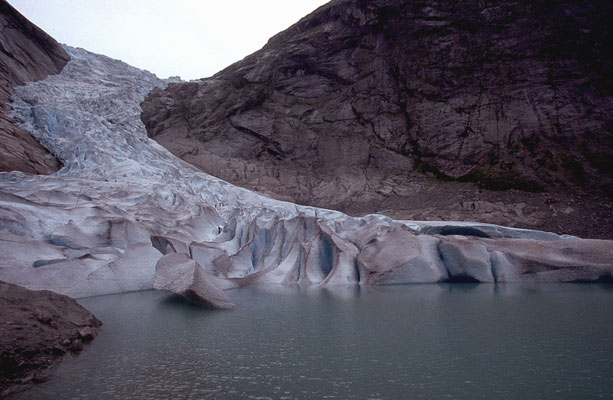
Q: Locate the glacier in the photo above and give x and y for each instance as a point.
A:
(124, 214)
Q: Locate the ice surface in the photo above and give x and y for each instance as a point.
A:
(121, 202)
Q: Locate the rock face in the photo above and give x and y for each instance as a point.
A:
(38, 328)
(351, 106)
(26, 54)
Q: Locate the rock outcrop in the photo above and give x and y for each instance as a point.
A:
(26, 54)
(405, 107)
(37, 329)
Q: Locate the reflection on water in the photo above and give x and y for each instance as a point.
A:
(464, 341)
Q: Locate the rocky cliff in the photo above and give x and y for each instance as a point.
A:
(415, 109)
(26, 54)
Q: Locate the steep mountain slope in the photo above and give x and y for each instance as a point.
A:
(412, 108)
(26, 54)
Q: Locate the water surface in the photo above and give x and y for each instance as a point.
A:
(457, 341)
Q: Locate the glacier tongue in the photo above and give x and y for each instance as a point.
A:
(122, 202)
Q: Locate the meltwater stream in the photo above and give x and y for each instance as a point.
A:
(463, 341)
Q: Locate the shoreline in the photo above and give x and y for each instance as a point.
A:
(39, 329)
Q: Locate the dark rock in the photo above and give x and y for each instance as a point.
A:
(40, 378)
(405, 106)
(26, 54)
(57, 351)
(76, 345)
(42, 317)
(51, 322)
(87, 333)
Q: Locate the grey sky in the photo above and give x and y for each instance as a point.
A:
(190, 38)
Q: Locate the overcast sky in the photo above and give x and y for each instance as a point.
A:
(190, 38)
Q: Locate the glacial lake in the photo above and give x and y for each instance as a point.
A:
(447, 341)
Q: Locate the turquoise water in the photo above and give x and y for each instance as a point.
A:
(450, 341)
